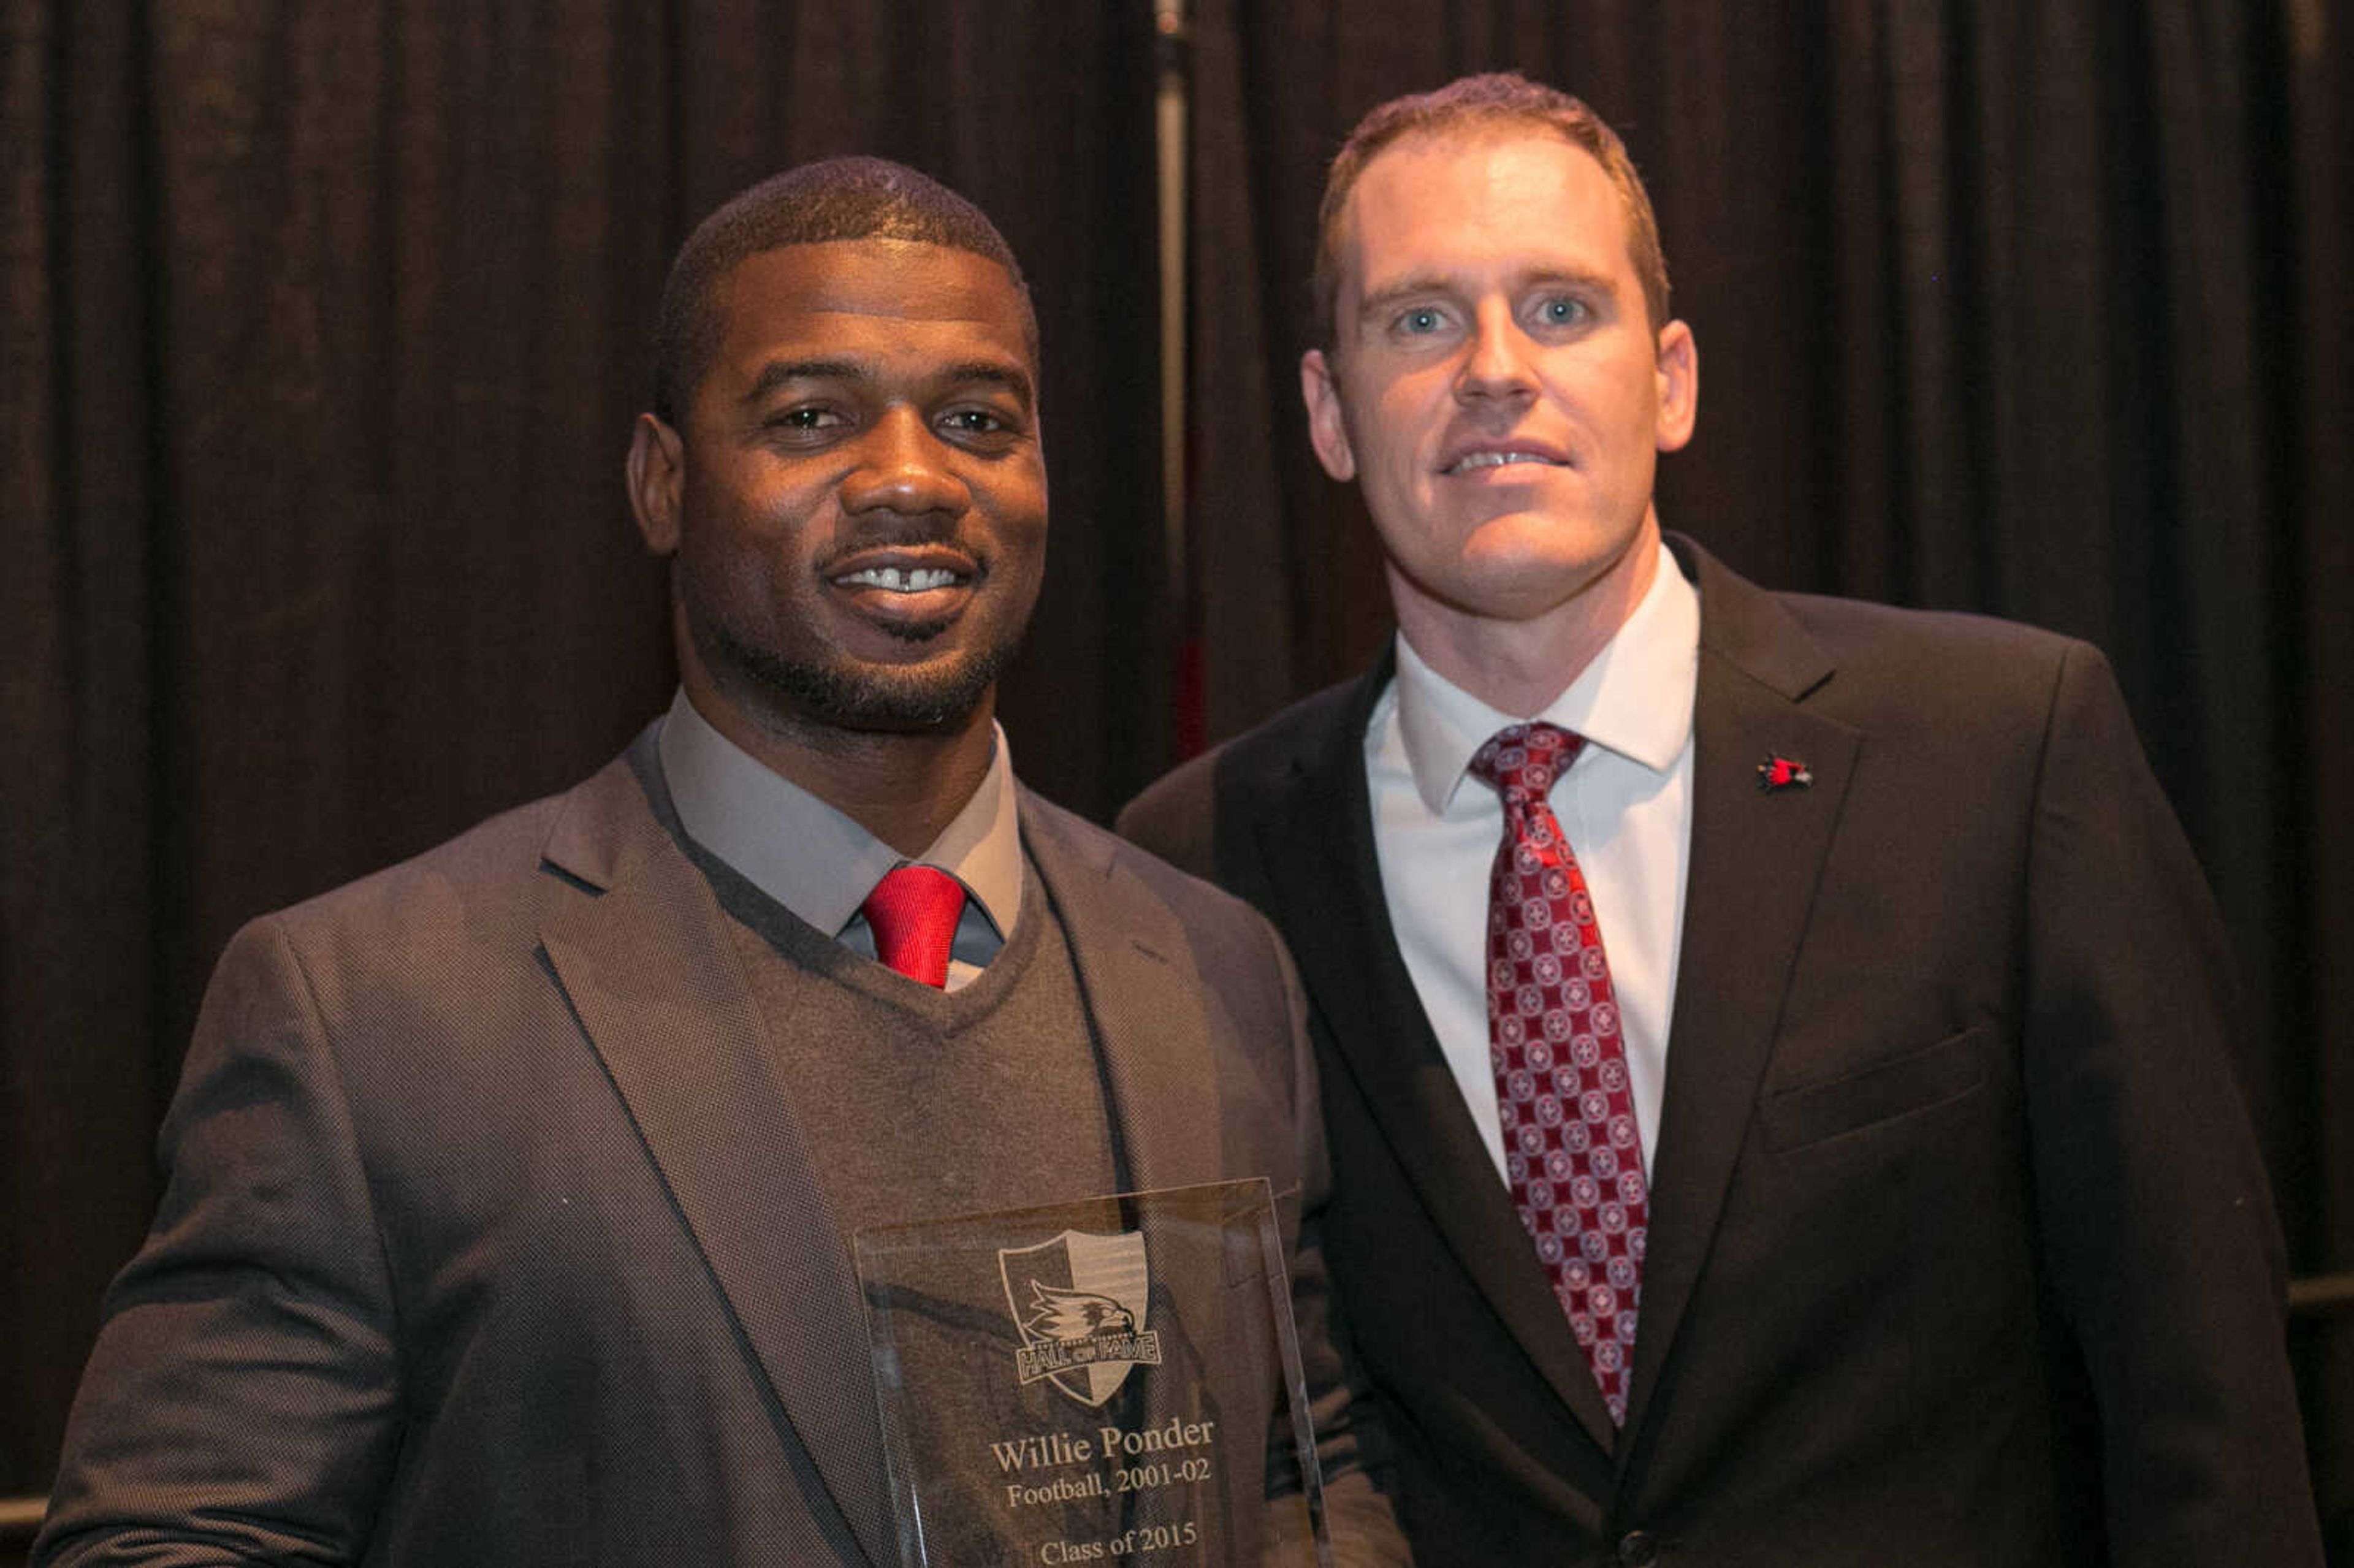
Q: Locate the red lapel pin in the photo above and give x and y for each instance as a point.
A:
(1778, 772)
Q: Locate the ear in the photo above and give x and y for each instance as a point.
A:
(657, 480)
(1678, 374)
(1326, 428)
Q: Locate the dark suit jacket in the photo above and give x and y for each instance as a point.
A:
(492, 1238)
(1960, 1250)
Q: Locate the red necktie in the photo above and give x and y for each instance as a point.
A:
(1571, 1153)
(913, 912)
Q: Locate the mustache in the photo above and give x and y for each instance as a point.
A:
(909, 533)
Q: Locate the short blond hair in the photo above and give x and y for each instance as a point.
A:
(1482, 103)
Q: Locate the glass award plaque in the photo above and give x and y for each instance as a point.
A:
(1106, 1381)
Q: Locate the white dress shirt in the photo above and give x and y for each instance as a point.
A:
(819, 863)
(1625, 804)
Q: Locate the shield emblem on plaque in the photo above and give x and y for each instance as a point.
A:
(1079, 1301)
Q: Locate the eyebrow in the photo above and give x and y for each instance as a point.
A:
(991, 373)
(783, 373)
(1417, 285)
(779, 372)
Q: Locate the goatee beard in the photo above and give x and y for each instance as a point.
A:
(855, 696)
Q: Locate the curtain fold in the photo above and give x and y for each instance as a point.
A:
(80, 916)
(2306, 143)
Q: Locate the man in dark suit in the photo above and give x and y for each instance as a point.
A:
(1773, 1047)
(513, 1189)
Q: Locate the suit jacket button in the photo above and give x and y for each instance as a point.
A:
(1638, 1549)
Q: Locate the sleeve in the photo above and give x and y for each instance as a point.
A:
(1351, 1441)
(2158, 1231)
(241, 1401)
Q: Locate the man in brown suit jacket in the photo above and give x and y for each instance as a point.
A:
(511, 1187)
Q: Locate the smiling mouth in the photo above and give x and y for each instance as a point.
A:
(1470, 461)
(900, 579)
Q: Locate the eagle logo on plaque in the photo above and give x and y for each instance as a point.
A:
(1079, 1301)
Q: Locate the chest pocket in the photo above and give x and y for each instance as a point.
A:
(1916, 1081)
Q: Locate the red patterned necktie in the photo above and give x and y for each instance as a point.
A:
(1571, 1153)
(913, 912)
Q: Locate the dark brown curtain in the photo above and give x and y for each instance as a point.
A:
(322, 326)
(2035, 309)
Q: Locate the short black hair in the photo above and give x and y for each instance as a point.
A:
(837, 198)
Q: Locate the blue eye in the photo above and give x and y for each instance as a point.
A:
(1562, 312)
(1421, 320)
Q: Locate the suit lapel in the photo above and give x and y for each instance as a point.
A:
(1756, 857)
(1142, 994)
(661, 994)
(1316, 838)
(1143, 998)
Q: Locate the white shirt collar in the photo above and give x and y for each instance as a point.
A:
(811, 858)
(1635, 698)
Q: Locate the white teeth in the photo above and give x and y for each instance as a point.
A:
(1494, 459)
(896, 580)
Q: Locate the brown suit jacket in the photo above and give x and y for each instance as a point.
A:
(1961, 1252)
(491, 1236)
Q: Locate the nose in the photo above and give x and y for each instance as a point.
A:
(905, 467)
(1495, 362)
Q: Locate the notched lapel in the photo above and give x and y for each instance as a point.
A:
(663, 998)
(1324, 877)
(1143, 995)
(1756, 861)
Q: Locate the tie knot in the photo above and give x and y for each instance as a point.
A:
(913, 912)
(1521, 761)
